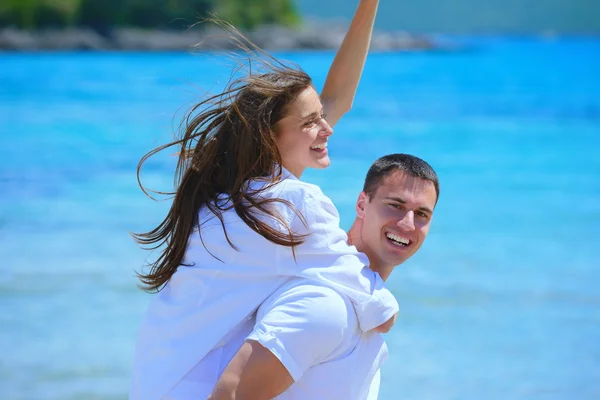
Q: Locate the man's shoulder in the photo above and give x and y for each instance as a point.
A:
(311, 318)
(313, 303)
(302, 287)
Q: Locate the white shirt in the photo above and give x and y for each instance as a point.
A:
(313, 330)
(223, 286)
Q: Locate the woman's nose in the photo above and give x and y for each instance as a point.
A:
(326, 129)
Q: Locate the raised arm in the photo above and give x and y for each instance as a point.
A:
(345, 72)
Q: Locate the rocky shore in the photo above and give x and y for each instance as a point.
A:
(310, 37)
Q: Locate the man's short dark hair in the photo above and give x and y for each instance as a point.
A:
(406, 163)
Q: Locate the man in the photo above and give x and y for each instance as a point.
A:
(306, 343)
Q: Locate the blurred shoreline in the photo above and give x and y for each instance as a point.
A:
(310, 37)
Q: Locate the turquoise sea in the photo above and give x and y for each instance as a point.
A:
(502, 302)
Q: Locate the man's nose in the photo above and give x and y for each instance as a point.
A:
(408, 221)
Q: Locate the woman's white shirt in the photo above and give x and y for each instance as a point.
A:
(219, 287)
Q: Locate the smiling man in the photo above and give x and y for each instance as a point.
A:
(394, 210)
(305, 342)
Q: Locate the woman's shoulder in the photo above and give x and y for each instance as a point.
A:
(297, 190)
(306, 198)
(310, 201)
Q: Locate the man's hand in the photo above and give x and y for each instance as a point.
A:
(386, 326)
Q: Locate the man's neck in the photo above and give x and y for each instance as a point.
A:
(375, 264)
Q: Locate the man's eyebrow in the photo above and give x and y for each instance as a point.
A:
(402, 201)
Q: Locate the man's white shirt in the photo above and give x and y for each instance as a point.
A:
(314, 331)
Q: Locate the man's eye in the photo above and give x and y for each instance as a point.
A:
(422, 214)
(396, 206)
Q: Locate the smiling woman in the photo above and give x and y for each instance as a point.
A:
(228, 140)
(242, 223)
(303, 134)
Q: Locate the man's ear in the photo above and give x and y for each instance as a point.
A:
(361, 204)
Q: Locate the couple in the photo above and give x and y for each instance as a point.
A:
(305, 341)
(260, 292)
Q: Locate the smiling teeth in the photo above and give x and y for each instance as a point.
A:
(398, 239)
(319, 146)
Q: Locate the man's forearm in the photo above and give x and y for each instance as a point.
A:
(254, 373)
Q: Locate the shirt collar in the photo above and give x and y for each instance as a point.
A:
(259, 183)
(285, 174)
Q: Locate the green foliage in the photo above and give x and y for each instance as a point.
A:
(249, 14)
(102, 15)
(30, 14)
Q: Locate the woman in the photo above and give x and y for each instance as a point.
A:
(242, 223)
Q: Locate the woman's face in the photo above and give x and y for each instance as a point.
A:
(303, 133)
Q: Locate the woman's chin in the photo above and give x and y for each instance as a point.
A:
(322, 163)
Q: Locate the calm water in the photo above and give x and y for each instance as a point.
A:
(502, 302)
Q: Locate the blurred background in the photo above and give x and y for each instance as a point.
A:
(502, 98)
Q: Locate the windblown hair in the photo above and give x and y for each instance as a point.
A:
(224, 141)
(410, 165)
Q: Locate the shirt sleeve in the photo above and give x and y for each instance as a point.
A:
(326, 257)
(304, 326)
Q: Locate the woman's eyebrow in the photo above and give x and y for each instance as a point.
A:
(313, 114)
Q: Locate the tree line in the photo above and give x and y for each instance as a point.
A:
(103, 15)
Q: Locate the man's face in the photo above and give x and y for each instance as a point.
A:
(396, 220)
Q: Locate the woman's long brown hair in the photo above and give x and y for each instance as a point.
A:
(224, 141)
